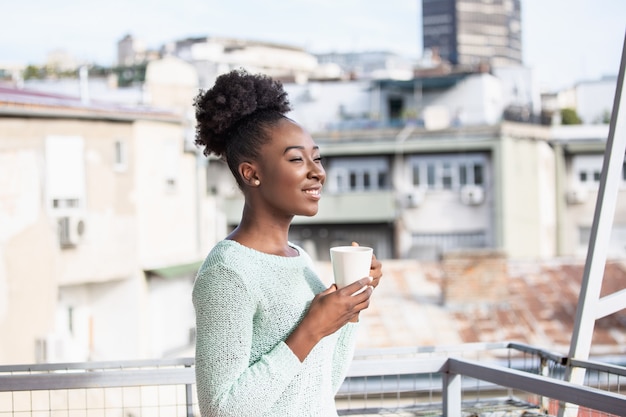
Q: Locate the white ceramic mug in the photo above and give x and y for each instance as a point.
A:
(350, 263)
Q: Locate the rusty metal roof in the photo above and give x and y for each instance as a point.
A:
(539, 309)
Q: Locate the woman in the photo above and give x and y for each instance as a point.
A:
(271, 339)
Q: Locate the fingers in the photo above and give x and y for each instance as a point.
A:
(355, 244)
(357, 286)
(332, 288)
(376, 271)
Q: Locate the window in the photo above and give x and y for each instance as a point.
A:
(478, 175)
(416, 175)
(171, 155)
(448, 172)
(446, 176)
(430, 175)
(60, 203)
(596, 176)
(382, 180)
(587, 168)
(65, 174)
(463, 174)
(357, 174)
(120, 159)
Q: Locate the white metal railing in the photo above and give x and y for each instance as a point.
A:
(445, 380)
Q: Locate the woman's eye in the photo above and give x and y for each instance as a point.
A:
(319, 159)
(296, 159)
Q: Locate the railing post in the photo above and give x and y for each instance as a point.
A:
(451, 394)
(544, 370)
(189, 397)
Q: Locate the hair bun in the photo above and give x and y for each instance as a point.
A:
(234, 96)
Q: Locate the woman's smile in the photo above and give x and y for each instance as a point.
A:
(315, 192)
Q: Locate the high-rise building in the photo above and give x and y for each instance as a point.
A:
(470, 32)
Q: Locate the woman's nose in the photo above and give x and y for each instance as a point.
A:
(317, 171)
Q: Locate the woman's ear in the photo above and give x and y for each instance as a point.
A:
(248, 174)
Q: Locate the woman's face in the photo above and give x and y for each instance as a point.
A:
(290, 171)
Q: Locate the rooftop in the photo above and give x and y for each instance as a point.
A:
(539, 307)
(24, 101)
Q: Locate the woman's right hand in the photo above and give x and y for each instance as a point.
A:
(333, 308)
(329, 311)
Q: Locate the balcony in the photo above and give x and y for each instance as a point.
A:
(499, 379)
(471, 379)
(336, 208)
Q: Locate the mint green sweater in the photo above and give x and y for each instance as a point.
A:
(247, 303)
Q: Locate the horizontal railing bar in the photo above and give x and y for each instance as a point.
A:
(404, 366)
(140, 363)
(410, 350)
(77, 380)
(595, 399)
(180, 371)
(598, 366)
(555, 357)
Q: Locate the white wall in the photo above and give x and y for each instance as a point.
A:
(476, 100)
(594, 98)
(316, 105)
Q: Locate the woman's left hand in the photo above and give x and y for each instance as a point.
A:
(376, 269)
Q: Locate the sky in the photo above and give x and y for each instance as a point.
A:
(564, 41)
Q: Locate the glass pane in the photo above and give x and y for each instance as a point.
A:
(463, 174)
(582, 176)
(352, 180)
(382, 180)
(416, 175)
(446, 177)
(366, 180)
(478, 174)
(430, 175)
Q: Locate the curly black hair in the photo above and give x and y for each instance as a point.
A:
(233, 118)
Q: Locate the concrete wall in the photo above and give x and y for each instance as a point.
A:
(527, 205)
(91, 300)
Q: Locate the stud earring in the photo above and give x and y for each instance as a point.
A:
(257, 182)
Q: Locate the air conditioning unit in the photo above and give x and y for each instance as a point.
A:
(414, 198)
(71, 230)
(472, 195)
(576, 195)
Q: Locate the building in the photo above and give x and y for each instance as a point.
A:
(369, 65)
(212, 56)
(528, 191)
(592, 99)
(416, 168)
(103, 222)
(131, 51)
(423, 167)
(467, 32)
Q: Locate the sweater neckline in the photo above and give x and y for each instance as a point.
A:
(269, 256)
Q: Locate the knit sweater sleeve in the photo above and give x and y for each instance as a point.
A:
(227, 384)
(344, 351)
